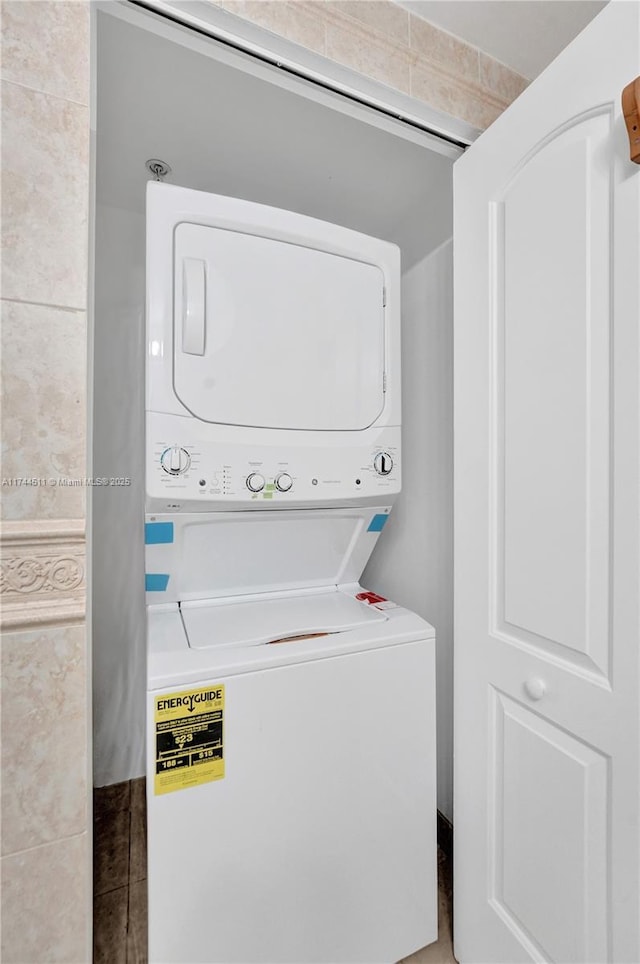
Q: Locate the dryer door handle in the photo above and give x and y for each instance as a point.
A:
(194, 308)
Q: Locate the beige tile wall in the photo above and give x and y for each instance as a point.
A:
(45, 155)
(391, 45)
(45, 845)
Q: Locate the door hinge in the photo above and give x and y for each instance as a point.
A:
(384, 296)
(384, 382)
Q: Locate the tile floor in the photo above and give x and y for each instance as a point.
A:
(442, 951)
(120, 882)
(120, 874)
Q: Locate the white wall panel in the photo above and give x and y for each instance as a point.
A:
(119, 640)
(413, 562)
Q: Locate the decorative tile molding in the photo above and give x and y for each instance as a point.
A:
(42, 572)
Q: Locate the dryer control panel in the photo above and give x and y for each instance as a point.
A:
(196, 475)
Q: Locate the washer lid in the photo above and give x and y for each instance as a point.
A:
(207, 555)
(284, 619)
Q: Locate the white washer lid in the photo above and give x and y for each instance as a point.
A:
(210, 624)
(203, 556)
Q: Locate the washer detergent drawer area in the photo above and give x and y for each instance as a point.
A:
(275, 620)
(276, 335)
(318, 842)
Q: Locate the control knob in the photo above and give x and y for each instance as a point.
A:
(175, 460)
(383, 463)
(255, 482)
(284, 482)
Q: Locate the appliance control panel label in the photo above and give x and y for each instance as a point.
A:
(189, 742)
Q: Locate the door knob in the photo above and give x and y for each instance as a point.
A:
(535, 688)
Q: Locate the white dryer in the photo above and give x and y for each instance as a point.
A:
(273, 358)
(291, 714)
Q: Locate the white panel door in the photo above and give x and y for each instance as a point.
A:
(547, 722)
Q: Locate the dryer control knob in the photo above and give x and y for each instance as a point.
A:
(175, 460)
(383, 463)
(284, 482)
(255, 482)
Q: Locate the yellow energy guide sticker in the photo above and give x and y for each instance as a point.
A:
(189, 738)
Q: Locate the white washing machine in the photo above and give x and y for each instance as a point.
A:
(291, 714)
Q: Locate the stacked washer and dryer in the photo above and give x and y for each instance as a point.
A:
(291, 714)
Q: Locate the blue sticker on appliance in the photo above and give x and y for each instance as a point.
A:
(158, 533)
(378, 522)
(156, 581)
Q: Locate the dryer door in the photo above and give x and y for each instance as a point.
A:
(275, 335)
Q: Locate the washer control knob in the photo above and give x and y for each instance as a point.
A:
(383, 463)
(284, 482)
(175, 460)
(255, 482)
